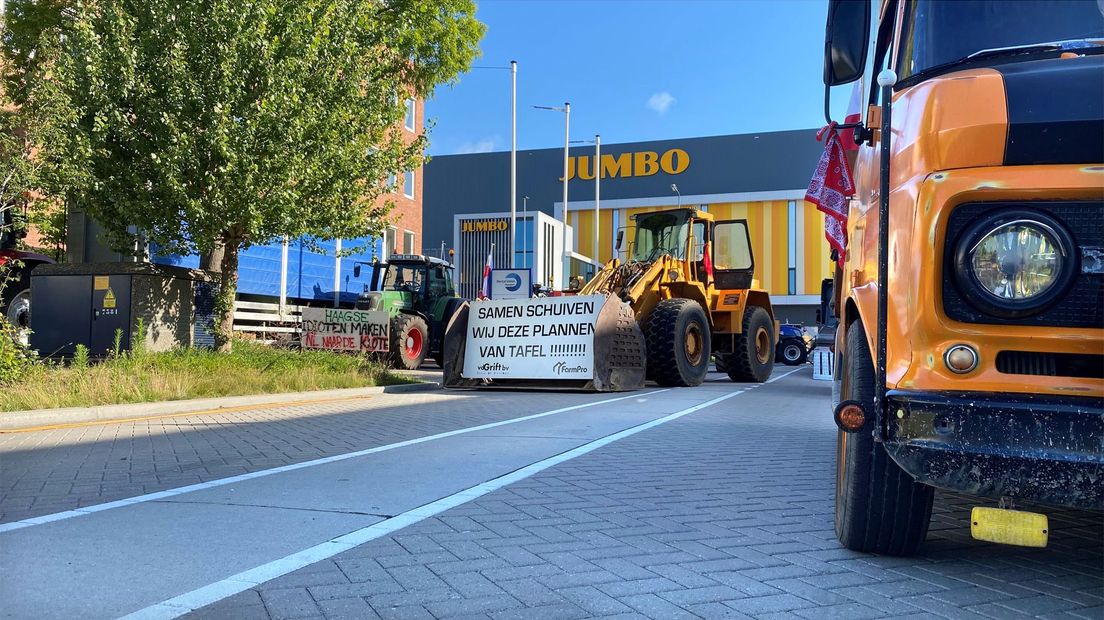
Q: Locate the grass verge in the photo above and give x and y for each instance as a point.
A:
(251, 368)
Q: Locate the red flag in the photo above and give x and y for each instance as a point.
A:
(830, 188)
(485, 290)
(847, 136)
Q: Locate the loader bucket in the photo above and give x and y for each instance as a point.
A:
(589, 343)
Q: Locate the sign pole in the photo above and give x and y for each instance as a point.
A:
(597, 190)
(513, 161)
(567, 139)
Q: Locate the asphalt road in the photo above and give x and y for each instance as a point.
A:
(707, 502)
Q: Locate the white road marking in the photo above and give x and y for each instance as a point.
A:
(149, 497)
(214, 592)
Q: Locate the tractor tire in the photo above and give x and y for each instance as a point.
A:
(678, 340)
(879, 507)
(753, 357)
(409, 341)
(439, 359)
(16, 306)
(793, 352)
(720, 360)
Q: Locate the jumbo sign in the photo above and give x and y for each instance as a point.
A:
(484, 225)
(641, 164)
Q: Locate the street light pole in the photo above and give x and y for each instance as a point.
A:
(525, 237)
(674, 188)
(513, 161)
(566, 109)
(597, 192)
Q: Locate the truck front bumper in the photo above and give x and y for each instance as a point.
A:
(1034, 448)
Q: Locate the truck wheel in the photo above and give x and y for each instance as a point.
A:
(753, 357)
(409, 341)
(721, 361)
(678, 340)
(16, 307)
(879, 507)
(794, 353)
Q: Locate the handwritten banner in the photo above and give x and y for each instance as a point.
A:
(334, 329)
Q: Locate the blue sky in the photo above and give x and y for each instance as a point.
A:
(637, 70)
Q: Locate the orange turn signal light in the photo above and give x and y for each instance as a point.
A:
(850, 416)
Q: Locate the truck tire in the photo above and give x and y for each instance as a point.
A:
(793, 352)
(16, 306)
(409, 341)
(678, 340)
(753, 357)
(879, 507)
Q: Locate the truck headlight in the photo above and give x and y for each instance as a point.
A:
(1014, 264)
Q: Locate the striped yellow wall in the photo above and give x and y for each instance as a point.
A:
(768, 223)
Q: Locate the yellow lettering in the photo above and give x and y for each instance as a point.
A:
(570, 169)
(645, 163)
(672, 166)
(620, 166)
(585, 173)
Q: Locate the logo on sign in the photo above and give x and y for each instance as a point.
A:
(641, 164)
(563, 369)
(513, 282)
(495, 367)
(469, 226)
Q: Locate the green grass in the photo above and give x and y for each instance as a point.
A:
(136, 377)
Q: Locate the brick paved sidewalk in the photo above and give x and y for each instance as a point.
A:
(726, 513)
(50, 471)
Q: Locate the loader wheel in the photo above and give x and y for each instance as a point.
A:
(409, 341)
(879, 507)
(679, 342)
(753, 357)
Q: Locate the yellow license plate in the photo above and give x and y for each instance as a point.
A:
(1009, 527)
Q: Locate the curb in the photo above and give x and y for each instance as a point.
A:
(24, 420)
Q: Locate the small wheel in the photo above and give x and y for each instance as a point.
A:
(679, 342)
(879, 507)
(794, 353)
(409, 341)
(753, 358)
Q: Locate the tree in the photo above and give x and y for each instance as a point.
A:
(225, 123)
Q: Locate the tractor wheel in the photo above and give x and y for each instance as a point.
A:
(409, 341)
(16, 307)
(879, 507)
(794, 353)
(678, 340)
(753, 358)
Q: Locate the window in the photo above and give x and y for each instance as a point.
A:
(408, 184)
(408, 242)
(391, 179)
(792, 239)
(410, 113)
(389, 241)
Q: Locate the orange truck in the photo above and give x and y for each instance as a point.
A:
(971, 296)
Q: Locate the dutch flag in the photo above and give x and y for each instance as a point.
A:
(486, 292)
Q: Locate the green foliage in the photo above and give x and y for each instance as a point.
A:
(80, 358)
(225, 123)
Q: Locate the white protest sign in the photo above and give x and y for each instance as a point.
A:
(362, 331)
(511, 284)
(540, 338)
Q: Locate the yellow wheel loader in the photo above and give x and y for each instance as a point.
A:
(685, 294)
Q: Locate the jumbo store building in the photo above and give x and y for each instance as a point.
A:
(758, 177)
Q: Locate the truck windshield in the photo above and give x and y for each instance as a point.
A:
(660, 233)
(404, 278)
(941, 33)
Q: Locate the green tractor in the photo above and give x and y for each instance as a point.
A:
(418, 293)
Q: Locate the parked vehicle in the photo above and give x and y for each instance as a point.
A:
(15, 298)
(794, 344)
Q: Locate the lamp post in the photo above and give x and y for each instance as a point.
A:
(566, 109)
(525, 237)
(513, 161)
(674, 188)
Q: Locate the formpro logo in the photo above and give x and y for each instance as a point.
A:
(563, 369)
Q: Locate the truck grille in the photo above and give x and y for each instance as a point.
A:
(1051, 364)
(1083, 304)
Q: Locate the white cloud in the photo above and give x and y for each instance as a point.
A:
(485, 145)
(661, 102)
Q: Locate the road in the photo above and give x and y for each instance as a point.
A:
(708, 502)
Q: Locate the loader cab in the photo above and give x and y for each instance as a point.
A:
(663, 233)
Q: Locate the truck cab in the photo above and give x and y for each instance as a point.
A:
(979, 215)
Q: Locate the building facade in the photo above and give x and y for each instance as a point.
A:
(760, 178)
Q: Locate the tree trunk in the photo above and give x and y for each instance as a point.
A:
(212, 261)
(228, 290)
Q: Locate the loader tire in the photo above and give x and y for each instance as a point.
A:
(879, 507)
(409, 341)
(678, 340)
(753, 357)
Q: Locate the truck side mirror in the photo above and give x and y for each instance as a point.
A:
(356, 271)
(846, 39)
(621, 241)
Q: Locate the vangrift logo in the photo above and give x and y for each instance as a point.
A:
(494, 367)
(562, 368)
